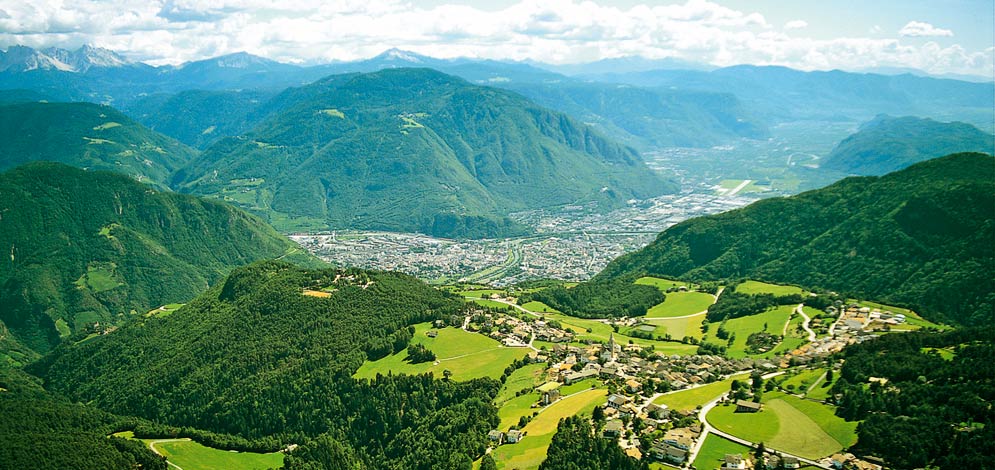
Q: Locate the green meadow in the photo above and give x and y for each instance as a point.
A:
(467, 355)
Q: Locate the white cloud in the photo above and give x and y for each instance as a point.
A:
(922, 29)
(796, 24)
(558, 31)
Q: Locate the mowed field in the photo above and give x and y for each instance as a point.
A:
(467, 355)
(600, 332)
(714, 450)
(679, 304)
(678, 328)
(660, 283)
(757, 287)
(789, 424)
(695, 397)
(531, 451)
(190, 455)
(743, 326)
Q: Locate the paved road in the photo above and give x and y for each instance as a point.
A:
(811, 334)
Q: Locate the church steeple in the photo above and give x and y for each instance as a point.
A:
(611, 345)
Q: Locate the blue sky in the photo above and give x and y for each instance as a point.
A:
(949, 36)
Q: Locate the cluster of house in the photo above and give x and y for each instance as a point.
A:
(848, 461)
(864, 320)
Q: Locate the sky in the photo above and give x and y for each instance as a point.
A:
(937, 36)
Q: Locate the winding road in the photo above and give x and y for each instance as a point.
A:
(805, 324)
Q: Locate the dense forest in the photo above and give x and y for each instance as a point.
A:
(576, 446)
(86, 247)
(40, 430)
(255, 358)
(925, 398)
(920, 237)
(598, 300)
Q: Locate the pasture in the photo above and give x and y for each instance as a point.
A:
(690, 399)
(191, 455)
(714, 450)
(757, 287)
(531, 451)
(467, 355)
(789, 424)
(679, 304)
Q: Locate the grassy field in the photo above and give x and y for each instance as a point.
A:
(601, 331)
(679, 304)
(539, 307)
(164, 311)
(479, 293)
(660, 283)
(757, 287)
(521, 379)
(512, 410)
(190, 455)
(802, 380)
(743, 326)
(678, 328)
(695, 397)
(790, 424)
(491, 304)
(531, 451)
(714, 450)
(466, 355)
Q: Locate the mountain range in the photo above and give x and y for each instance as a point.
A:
(919, 237)
(886, 144)
(414, 150)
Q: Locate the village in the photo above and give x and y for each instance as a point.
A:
(636, 376)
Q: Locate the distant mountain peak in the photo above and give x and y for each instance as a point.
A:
(399, 55)
(23, 59)
(239, 60)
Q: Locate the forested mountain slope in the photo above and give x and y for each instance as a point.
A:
(415, 150)
(920, 237)
(87, 135)
(82, 247)
(888, 144)
(255, 357)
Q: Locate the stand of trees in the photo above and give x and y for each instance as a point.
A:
(932, 411)
(599, 300)
(575, 446)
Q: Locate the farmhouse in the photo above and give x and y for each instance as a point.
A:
(744, 406)
(550, 392)
(495, 436)
(612, 429)
(733, 462)
(513, 436)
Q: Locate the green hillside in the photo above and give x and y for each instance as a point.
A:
(887, 144)
(83, 247)
(414, 150)
(198, 118)
(919, 237)
(87, 135)
(257, 358)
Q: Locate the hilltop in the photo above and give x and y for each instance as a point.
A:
(887, 144)
(87, 135)
(415, 150)
(88, 247)
(920, 237)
